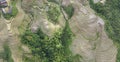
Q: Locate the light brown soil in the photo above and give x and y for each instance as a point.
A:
(91, 46)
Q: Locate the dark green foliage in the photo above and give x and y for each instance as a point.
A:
(118, 55)
(110, 11)
(77, 58)
(2, 6)
(27, 59)
(30, 58)
(14, 11)
(54, 1)
(6, 54)
(54, 49)
(51, 0)
(53, 13)
(69, 10)
(66, 36)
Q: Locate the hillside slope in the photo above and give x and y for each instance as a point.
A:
(90, 40)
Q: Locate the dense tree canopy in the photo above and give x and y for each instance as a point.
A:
(50, 49)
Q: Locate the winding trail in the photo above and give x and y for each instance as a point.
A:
(14, 40)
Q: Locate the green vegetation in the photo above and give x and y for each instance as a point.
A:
(77, 58)
(66, 37)
(53, 13)
(13, 13)
(69, 10)
(110, 11)
(24, 25)
(6, 55)
(118, 54)
(49, 49)
(54, 1)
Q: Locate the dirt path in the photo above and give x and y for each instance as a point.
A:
(3, 33)
(14, 40)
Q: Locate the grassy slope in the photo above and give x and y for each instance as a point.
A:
(111, 14)
(55, 49)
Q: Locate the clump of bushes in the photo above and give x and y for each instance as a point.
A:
(49, 49)
(69, 10)
(13, 13)
(6, 55)
(53, 13)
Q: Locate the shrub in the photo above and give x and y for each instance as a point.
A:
(50, 49)
(6, 54)
(13, 13)
(54, 1)
(69, 10)
(53, 13)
